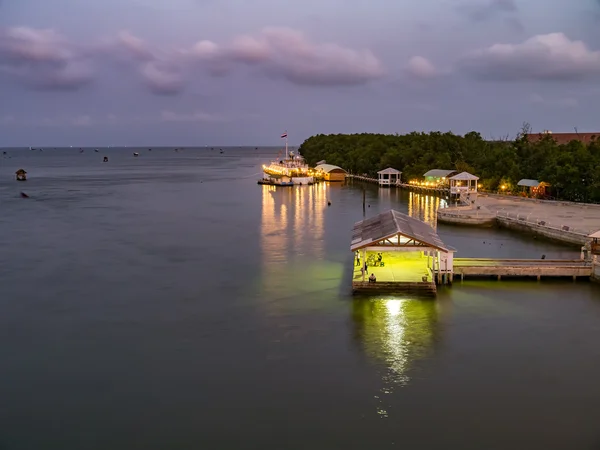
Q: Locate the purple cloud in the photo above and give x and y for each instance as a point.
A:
(289, 54)
(547, 57)
(42, 59)
(421, 68)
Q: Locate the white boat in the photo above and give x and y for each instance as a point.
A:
(292, 166)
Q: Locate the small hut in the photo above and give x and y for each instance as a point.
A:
(389, 177)
(463, 183)
(21, 175)
(329, 172)
(533, 188)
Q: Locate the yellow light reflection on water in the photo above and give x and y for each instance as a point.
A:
(395, 332)
(424, 207)
(292, 223)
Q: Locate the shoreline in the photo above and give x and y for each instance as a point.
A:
(567, 222)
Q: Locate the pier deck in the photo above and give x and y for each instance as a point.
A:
(538, 268)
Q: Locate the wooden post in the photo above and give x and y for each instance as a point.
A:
(364, 201)
(363, 262)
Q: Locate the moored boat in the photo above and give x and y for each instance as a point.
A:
(291, 166)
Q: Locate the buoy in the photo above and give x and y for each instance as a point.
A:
(24, 195)
(328, 203)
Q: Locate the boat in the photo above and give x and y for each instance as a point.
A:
(136, 154)
(282, 181)
(291, 166)
(21, 175)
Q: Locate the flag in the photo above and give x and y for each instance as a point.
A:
(284, 135)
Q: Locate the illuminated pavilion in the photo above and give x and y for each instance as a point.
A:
(414, 258)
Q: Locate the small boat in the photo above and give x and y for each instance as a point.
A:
(136, 154)
(21, 175)
(105, 159)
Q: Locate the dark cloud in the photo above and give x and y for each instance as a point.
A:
(549, 57)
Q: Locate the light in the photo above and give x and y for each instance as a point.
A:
(503, 187)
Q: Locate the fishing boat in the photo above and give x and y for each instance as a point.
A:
(291, 166)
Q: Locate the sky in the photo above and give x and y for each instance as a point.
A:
(233, 72)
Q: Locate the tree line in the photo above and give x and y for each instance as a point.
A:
(572, 169)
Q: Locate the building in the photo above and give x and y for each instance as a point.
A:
(463, 183)
(564, 138)
(533, 188)
(388, 177)
(403, 253)
(330, 172)
(438, 176)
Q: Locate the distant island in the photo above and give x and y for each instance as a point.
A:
(570, 165)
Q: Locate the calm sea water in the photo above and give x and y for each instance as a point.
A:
(169, 302)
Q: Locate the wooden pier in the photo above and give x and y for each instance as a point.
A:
(410, 187)
(521, 268)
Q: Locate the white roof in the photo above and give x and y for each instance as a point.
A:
(528, 183)
(389, 171)
(328, 168)
(463, 176)
(595, 235)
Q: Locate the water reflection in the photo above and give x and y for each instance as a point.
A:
(293, 242)
(424, 207)
(290, 217)
(395, 332)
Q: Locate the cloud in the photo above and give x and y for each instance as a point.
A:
(42, 59)
(421, 68)
(548, 57)
(289, 54)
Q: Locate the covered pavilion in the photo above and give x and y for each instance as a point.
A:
(403, 253)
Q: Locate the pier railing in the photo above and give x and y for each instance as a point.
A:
(532, 220)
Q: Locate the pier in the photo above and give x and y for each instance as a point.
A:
(521, 268)
(398, 253)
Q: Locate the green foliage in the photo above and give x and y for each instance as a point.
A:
(572, 170)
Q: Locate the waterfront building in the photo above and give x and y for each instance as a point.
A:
(403, 253)
(329, 172)
(388, 177)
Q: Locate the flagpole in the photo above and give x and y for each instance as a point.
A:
(286, 145)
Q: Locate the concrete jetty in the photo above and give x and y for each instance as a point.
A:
(562, 221)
